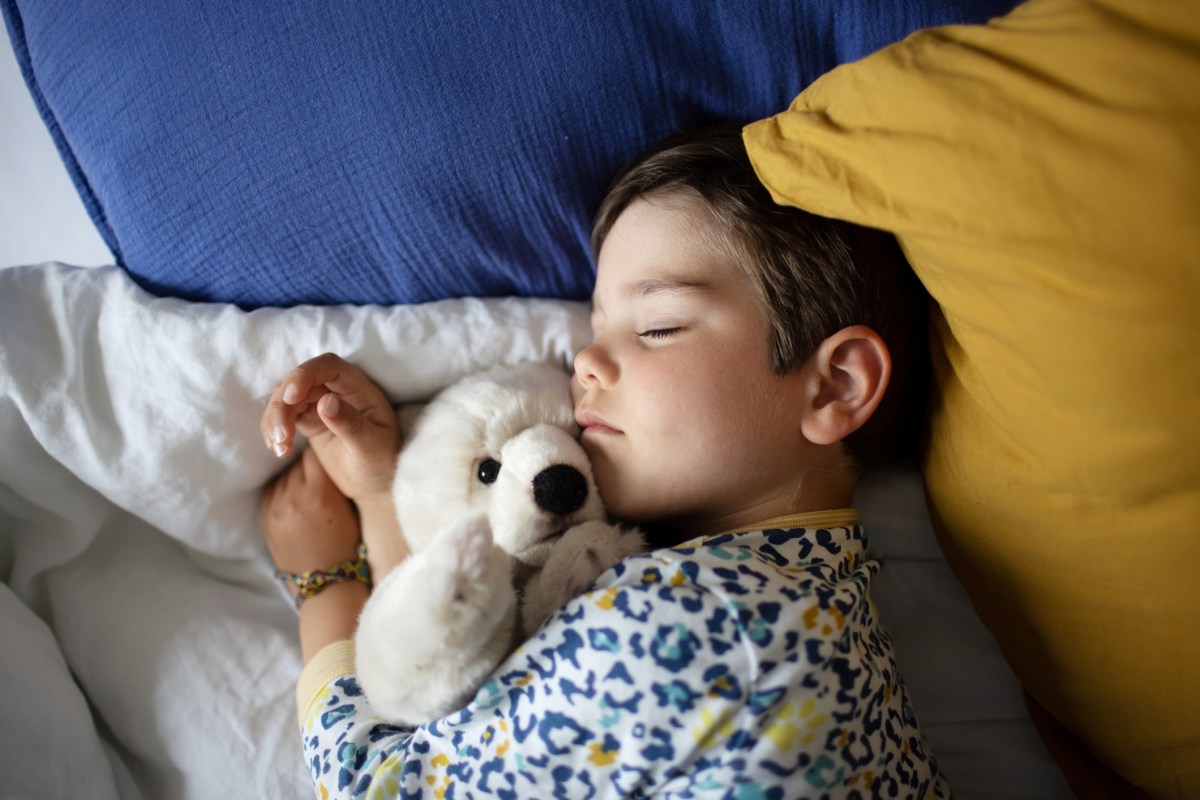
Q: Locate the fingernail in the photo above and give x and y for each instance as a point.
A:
(331, 405)
(280, 450)
(278, 435)
(291, 393)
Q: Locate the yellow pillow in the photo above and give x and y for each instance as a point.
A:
(1042, 173)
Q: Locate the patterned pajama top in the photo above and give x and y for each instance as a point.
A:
(744, 665)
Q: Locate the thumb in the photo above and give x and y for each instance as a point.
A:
(342, 419)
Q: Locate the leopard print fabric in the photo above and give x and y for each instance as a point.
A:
(747, 665)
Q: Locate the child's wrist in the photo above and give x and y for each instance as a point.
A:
(306, 584)
(331, 616)
(381, 531)
(375, 503)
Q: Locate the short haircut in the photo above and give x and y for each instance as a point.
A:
(813, 275)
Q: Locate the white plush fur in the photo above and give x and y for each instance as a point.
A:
(488, 564)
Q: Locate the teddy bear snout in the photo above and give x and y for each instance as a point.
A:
(560, 489)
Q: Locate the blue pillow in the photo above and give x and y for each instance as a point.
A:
(375, 151)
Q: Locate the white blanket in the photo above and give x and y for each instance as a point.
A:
(147, 650)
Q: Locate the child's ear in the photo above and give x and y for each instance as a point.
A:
(845, 381)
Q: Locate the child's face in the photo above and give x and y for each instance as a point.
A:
(683, 419)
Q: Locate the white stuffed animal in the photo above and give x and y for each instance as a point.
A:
(496, 500)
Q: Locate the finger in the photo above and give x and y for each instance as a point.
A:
(307, 384)
(310, 466)
(277, 427)
(281, 420)
(342, 419)
(308, 421)
(277, 423)
(328, 369)
(342, 378)
(289, 400)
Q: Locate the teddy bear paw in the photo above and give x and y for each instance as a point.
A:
(467, 580)
(584, 553)
(589, 549)
(437, 625)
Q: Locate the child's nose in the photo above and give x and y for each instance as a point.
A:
(592, 366)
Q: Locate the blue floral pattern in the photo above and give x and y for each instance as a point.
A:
(743, 666)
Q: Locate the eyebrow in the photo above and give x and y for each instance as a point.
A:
(661, 285)
(670, 283)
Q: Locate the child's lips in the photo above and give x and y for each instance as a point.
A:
(593, 423)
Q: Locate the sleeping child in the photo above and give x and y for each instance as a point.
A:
(749, 362)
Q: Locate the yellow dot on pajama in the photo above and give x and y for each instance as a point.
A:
(385, 784)
(782, 734)
(838, 617)
(810, 617)
(607, 599)
(600, 756)
(711, 730)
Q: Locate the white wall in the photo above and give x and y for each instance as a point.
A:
(41, 216)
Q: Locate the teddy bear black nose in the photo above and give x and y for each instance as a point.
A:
(560, 489)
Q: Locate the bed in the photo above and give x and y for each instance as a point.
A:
(149, 652)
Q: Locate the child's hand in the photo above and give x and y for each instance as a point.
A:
(307, 522)
(347, 419)
(310, 525)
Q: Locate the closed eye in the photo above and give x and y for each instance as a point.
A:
(659, 333)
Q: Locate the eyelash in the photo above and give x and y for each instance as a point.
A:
(658, 333)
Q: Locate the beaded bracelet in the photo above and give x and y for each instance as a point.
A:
(310, 583)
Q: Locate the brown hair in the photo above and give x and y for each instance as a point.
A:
(813, 275)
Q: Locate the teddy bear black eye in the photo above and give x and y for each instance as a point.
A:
(489, 470)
